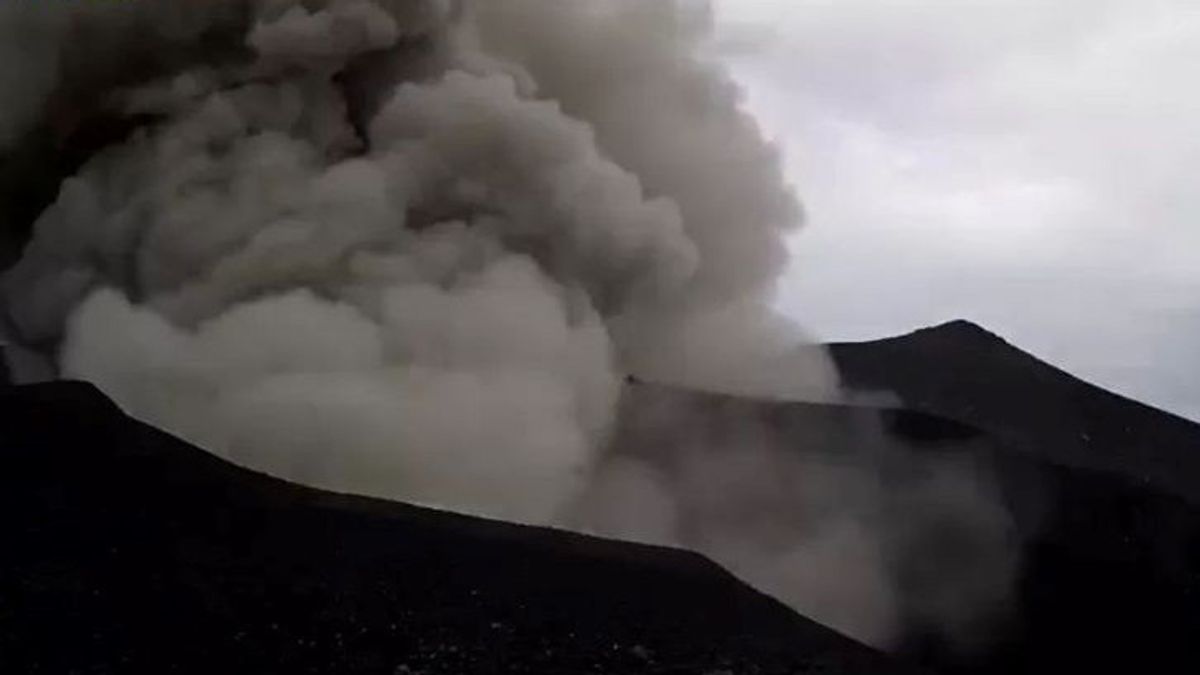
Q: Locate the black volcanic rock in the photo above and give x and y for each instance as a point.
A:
(1109, 566)
(1109, 576)
(961, 371)
(1103, 491)
(127, 551)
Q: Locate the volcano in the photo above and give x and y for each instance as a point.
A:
(452, 252)
(1103, 490)
(128, 550)
(150, 555)
(961, 371)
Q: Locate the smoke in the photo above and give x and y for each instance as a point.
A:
(817, 505)
(413, 248)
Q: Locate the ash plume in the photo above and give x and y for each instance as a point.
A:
(414, 248)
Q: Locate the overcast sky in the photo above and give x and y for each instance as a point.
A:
(1030, 165)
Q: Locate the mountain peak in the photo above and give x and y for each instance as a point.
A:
(957, 333)
(961, 327)
(963, 371)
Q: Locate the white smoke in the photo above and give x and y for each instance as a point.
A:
(412, 248)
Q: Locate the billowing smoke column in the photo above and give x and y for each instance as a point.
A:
(412, 248)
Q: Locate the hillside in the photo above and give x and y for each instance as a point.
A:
(1108, 566)
(128, 551)
(145, 554)
(961, 371)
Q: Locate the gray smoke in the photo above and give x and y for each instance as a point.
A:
(818, 505)
(413, 248)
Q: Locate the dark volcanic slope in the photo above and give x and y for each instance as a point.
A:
(1109, 575)
(961, 371)
(125, 550)
(1103, 490)
(1109, 567)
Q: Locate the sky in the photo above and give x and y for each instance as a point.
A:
(1033, 166)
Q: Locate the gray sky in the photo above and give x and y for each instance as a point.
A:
(1029, 165)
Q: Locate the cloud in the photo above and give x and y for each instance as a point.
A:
(1027, 165)
(413, 249)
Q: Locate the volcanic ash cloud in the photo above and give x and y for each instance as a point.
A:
(412, 249)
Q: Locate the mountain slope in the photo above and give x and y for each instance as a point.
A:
(126, 550)
(1108, 567)
(961, 371)
(142, 553)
